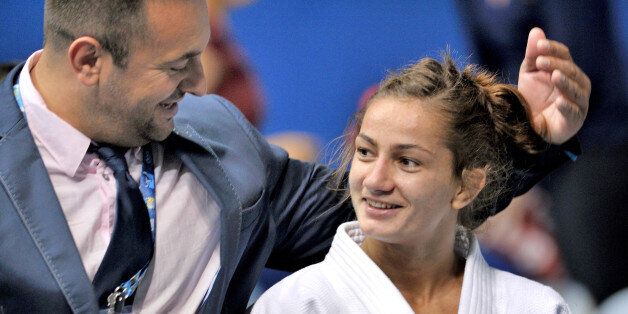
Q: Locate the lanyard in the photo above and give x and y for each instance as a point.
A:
(147, 188)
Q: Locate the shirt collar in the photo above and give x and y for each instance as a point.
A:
(65, 144)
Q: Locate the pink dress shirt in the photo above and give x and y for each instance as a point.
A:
(187, 246)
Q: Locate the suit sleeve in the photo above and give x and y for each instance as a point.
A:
(307, 213)
(304, 211)
(530, 169)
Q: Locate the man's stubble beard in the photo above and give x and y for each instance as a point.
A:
(123, 123)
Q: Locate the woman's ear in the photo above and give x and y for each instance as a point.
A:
(85, 54)
(473, 181)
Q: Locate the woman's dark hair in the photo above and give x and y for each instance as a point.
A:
(486, 121)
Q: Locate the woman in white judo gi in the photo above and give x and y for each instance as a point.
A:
(430, 156)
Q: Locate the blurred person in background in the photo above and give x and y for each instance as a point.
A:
(225, 66)
(229, 75)
(521, 240)
(587, 198)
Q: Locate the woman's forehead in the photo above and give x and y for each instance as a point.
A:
(407, 120)
(408, 112)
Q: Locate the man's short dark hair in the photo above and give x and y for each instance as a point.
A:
(114, 23)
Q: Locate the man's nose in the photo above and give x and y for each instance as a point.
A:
(195, 82)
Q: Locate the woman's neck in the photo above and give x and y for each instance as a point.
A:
(428, 275)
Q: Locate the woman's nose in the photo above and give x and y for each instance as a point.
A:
(378, 178)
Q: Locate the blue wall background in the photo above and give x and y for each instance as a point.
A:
(314, 58)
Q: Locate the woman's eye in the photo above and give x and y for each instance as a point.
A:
(362, 151)
(409, 162)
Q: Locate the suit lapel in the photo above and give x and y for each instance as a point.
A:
(26, 181)
(193, 149)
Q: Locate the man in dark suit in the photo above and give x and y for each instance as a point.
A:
(82, 120)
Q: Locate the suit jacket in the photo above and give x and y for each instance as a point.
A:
(348, 281)
(275, 211)
(272, 208)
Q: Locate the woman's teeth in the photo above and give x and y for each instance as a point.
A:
(380, 205)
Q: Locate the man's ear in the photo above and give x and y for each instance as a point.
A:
(86, 58)
(473, 180)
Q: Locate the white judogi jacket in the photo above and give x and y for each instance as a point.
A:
(348, 281)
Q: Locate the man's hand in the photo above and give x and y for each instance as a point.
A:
(556, 89)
